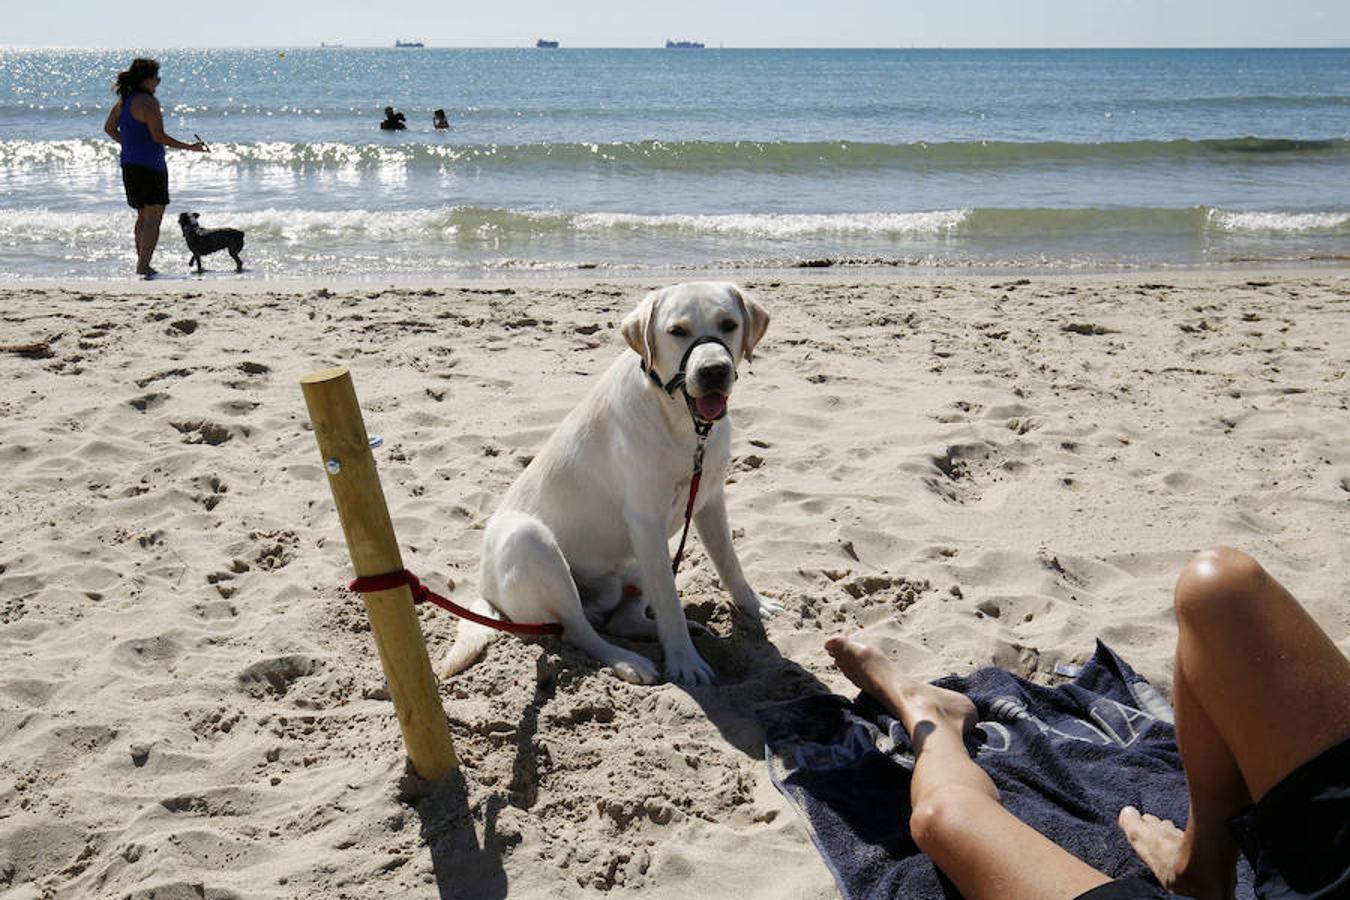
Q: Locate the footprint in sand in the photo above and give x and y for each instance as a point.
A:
(1182, 482)
(148, 401)
(211, 490)
(1252, 517)
(1017, 658)
(163, 376)
(964, 469)
(216, 722)
(219, 580)
(237, 407)
(30, 843)
(255, 376)
(31, 692)
(213, 804)
(201, 431)
(215, 610)
(149, 652)
(274, 677)
(961, 411)
(1015, 610)
(896, 591)
(1090, 329)
(1016, 417)
(277, 550)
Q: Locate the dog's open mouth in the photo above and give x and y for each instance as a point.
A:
(711, 406)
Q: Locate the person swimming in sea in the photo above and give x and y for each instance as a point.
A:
(393, 120)
(438, 120)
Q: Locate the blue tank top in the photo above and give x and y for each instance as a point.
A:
(138, 147)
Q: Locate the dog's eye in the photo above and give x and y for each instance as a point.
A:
(728, 326)
(677, 331)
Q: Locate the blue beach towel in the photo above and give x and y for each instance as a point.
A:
(1065, 760)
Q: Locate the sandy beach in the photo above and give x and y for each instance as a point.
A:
(967, 471)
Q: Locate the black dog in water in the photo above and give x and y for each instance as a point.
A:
(202, 241)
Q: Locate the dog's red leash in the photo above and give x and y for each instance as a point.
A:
(689, 507)
(420, 592)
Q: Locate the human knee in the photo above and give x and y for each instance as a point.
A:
(1217, 583)
(944, 814)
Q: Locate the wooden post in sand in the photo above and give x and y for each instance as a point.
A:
(345, 449)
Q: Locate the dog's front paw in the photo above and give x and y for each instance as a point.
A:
(686, 667)
(759, 606)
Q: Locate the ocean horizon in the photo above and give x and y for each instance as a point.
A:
(634, 160)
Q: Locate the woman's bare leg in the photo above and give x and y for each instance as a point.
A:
(147, 236)
(1259, 689)
(958, 819)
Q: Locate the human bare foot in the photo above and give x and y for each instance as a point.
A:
(1161, 845)
(909, 700)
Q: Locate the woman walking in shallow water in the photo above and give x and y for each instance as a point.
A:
(137, 123)
(1262, 700)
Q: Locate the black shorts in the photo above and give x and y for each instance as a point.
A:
(1132, 888)
(145, 187)
(1297, 837)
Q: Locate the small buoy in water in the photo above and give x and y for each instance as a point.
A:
(281, 55)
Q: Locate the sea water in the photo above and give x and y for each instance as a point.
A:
(654, 159)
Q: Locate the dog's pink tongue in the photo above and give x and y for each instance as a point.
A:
(711, 406)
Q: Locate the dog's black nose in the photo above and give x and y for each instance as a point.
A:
(718, 371)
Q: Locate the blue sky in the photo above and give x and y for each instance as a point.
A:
(733, 23)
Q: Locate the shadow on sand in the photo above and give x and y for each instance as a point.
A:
(750, 673)
(465, 868)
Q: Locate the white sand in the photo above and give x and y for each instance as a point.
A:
(191, 705)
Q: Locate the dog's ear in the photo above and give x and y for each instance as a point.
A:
(639, 327)
(755, 319)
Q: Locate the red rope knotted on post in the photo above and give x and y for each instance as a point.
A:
(420, 592)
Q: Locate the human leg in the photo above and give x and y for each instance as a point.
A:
(1259, 689)
(147, 237)
(958, 819)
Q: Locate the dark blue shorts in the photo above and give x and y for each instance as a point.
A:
(145, 187)
(1297, 837)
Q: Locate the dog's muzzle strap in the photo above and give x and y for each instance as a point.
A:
(677, 380)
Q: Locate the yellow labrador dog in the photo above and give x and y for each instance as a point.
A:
(596, 508)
